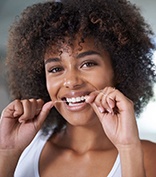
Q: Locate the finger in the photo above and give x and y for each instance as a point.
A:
(91, 97)
(13, 110)
(43, 114)
(97, 110)
(111, 102)
(99, 98)
(27, 110)
(102, 99)
(108, 90)
(108, 100)
(118, 102)
(39, 105)
(101, 102)
(108, 103)
(31, 108)
(95, 97)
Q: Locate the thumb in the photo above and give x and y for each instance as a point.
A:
(98, 110)
(43, 114)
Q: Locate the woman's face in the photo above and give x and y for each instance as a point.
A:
(71, 74)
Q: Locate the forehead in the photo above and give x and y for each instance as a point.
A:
(73, 47)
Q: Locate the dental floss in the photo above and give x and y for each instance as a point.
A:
(100, 109)
(59, 101)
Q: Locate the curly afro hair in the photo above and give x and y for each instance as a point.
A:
(115, 25)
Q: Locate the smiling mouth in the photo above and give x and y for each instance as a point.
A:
(74, 100)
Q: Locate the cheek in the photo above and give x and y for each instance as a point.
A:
(52, 87)
(102, 78)
(49, 89)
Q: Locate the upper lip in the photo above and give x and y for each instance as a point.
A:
(75, 94)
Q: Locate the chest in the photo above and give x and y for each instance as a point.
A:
(69, 164)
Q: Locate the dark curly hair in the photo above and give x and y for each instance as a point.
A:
(116, 25)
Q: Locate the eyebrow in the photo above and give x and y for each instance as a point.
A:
(51, 60)
(80, 55)
(90, 52)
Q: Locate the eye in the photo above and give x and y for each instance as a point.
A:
(87, 64)
(55, 69)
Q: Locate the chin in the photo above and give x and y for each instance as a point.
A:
(81, 118)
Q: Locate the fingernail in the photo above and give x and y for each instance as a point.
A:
(109, 110)
(101, 109)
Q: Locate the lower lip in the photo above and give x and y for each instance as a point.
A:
(76, 106)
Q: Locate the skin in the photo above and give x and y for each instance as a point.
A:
(97, 129)
(74, 74)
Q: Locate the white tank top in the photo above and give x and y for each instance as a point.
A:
(28, 164)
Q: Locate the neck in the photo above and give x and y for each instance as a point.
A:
(82, 139)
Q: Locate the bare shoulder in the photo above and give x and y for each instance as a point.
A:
(149, 150)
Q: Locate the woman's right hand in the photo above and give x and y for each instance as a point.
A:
(19, 123)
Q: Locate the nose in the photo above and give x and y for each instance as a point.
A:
(73, 80)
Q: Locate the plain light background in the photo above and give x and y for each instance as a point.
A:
(9, 9)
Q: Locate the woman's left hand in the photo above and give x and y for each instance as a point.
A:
(116, 114)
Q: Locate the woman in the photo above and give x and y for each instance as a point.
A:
(79, 73)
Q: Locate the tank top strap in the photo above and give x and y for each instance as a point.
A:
(116, 170)
(29, 160)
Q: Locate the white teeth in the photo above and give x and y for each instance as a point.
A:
(74, 100)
